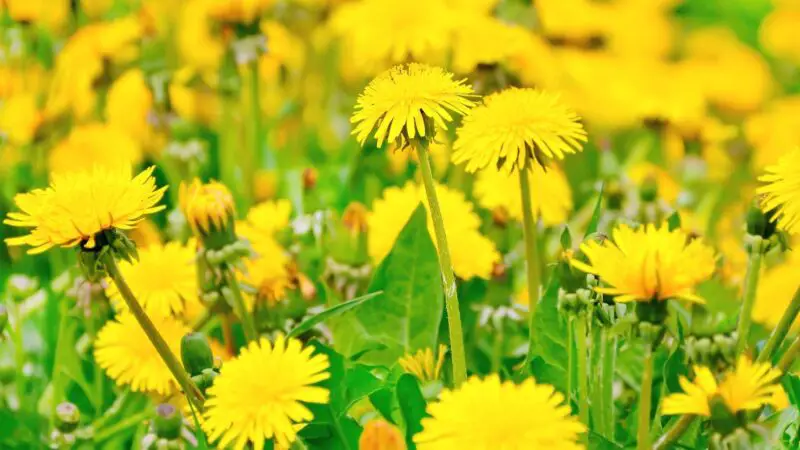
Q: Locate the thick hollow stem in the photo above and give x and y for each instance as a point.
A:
(609, 365)
(446, 267)
(674, 433)
(193, 394)
(645, 399)
(790, 355)
(780, 332)
(570, 357)
(583, 373)
(750, 286)
(239, 306)
(531, 253)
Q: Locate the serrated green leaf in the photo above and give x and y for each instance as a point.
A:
(406, 317)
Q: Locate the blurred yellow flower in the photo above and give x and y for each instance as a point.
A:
(747, 387)
(49, 13)
(124, 351)
(163, 280)
(79, 205)
(645, 172)
(198, 46)
(516, 128)
(551, 196)
(267, 218)
(774, 130)
(244, 11)
(129, 103)
(194, 97)
(94, 144)
(648, 264)
(95, 9)
(471, 252)
(776, 288)
(409, 101)
(145, 234)
(262, 394)
(501, 415)
(480, 39)
(780, 191)
(778, 32)
(423, 364)
(20, 118)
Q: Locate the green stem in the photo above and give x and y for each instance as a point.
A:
(750, 286)
(255, 111)
(570, 357)
(131, 421)
(645, 400)
(19, 354)
(780, 332)
(56, 375)
(191, 391)
(789, 356)
(446, 267)
(609, 365)
(239, 306)
(531, 255)
(674, 433)
(583, 374)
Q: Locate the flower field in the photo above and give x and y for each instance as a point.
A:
(399, 224)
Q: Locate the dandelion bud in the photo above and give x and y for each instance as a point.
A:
(381, 435)
(205, 379)
(310, 176)
(500, 216)
(168, 421)
(760, 223)
(355, 218)
(648, 191)
(614, 196)
(67, 417)
(209, 209)
(196, 353)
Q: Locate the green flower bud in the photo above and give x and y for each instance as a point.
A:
(168, 422)
(196, 353)
(648, 191)
(760, 223)
(654, 311)
(67, 417)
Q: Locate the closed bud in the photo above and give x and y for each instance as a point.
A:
(648, 191)
(614, 196)
(381, 435)
(760, 223)
(168, 422)
(500, 216)
(499, 271)
(310, 176)
(210, 210)
(307, 288)
(354, 218)
(196, 353)
(67, 417)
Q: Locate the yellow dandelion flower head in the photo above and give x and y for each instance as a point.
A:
(145, 234)
(648, 263)
(526, 415)
(407, 102)
(193, 95)
(88, 145)
(747, 387)
(481, 39)
(551, 196)
(473, 255)
(423, 364)
(123, 350)
(260, 394)
(207, 206)
(163, 280)
(780, 191)
(198, 45)
(267, 218)
(244, 11)
(646, 172)
(777, 32)
(128, 104)
(79, 205)
(774, 131)
(20, 118)
(267, 271)
(775, 291)
(514, 127)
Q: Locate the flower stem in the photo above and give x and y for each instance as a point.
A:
(191, 391)
(239, 306)
(750, 286)
(780, 332)
(674, 433)
(446, 267)
(789, 356)
(645, 400)
(531, 254)
(570, 357)
(602, 394)
(583, 373)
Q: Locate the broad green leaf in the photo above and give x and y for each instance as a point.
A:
(548, 356)
(412, 406)
(406, 317)
(674, 221)
(596, 213)
(333, 311)
(384, 402)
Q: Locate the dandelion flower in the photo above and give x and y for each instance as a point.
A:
(423, 364)
(781, 189)
(408, 101)
(89, 145)
(775, 290)
(267, 272)
(645, 172)
(748, 387)
(260, 394)
(20, 118)
(129, 104)
(207, 207)
(78, 206)
(124, 351)
(163, 280)
(471, 252)
(551, 196)
(648, 264)
(514, 127)
(501, 415)
(267, 218)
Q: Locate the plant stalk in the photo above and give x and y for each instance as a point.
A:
(531, 255)
(229, 278)
(645, 400)
(789, 356)
(191, 391)
(583, 373)
(446, 267)
(750, 287)
(780, 331)
(674, 433)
